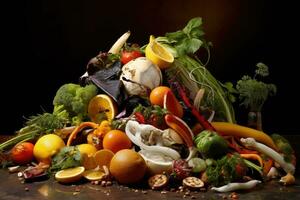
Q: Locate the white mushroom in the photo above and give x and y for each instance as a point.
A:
(140, 75)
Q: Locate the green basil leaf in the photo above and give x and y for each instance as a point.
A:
(193, 23)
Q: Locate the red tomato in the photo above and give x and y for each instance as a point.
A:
(22, 153)
(127, 56)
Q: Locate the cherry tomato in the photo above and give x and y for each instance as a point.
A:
(127, 56)
(22, 153)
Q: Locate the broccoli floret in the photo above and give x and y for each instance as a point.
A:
(75, 100)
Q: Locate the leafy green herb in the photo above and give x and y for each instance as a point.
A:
(226, 170)
(188, 40)
(38, 125)
(252, 92)
(66, 158)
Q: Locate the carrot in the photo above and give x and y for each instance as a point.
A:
(253, 156)
(268, 164)
(226, 128)
(78, 129)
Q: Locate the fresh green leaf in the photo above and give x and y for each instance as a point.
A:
(66, 158)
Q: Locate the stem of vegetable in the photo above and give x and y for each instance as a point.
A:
(255, 120)
(17, 139)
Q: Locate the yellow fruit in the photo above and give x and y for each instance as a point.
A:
(69, 175)
(87, 149)
(47, 146)
(128, 166)
(102, 107)
(94, 175)
(103, 157)
(158, 54)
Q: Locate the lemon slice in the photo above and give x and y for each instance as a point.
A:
(93, 175)
(102, 107)
(69, 175)
(158, 54)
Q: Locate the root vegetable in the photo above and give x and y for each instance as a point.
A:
(237, 186)
(251, 143)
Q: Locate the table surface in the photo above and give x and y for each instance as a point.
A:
(11, 188)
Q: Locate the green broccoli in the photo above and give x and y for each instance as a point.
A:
(75, 100)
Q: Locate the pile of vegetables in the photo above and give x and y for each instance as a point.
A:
(155, 113)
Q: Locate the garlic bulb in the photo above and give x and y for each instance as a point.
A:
(140, 75)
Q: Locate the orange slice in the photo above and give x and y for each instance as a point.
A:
(69, 175)
(102, 107)
(103, 157)
(94, 175)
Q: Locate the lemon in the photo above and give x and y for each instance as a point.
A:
(47, 146)
(158, 54)
(69, 175)
(94, 175)
(102, 107)
(87, 149)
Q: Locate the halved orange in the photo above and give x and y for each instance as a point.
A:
(102, 107)
(69, 175)
(88, 162)
(103, 157)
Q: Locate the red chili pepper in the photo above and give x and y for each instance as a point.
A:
(140, 117)
(206, 125)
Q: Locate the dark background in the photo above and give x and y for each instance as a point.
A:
(48, 43)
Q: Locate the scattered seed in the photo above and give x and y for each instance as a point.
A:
(136, 190)
(26, 189)
(163, 192)
(193, 197)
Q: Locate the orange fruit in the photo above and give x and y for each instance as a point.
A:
(102, 107)
(88, 162)
(103, 157)
(157, 95)
(69, 175)
(115, 140)
(128, 166)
